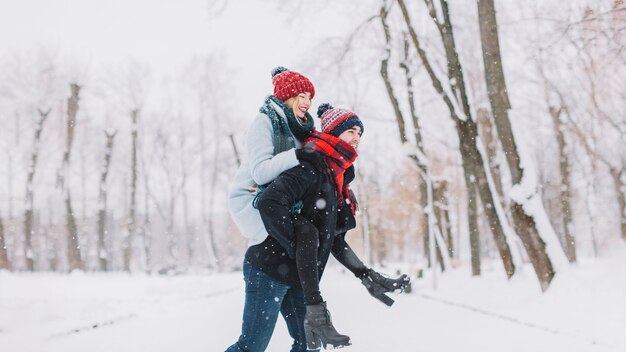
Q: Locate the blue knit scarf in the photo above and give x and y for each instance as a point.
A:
(281, 137)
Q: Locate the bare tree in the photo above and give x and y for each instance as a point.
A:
(30, 194)
(131, 220)
(564, 189)
(4, 258)
(128, 85)
(526, 209)
(209, 99)
(103, 243)
(443, 215)
(474, 171)
(418, 155)
(73, 245)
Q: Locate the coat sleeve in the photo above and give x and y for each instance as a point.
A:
(345, 255)
(277, 199)
(264, 165)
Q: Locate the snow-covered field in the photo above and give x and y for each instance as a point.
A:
(584, 311)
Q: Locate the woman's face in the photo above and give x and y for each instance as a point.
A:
(300, 104)
(352, 136)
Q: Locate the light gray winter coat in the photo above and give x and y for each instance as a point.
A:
(260, 166)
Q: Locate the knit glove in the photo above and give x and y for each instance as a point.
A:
(378, 285)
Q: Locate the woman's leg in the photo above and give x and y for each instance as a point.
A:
(264, 297)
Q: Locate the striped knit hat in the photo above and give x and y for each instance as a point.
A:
(335, 121)
(288, 84)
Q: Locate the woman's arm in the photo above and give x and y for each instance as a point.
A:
(276, 200)
(264, 165)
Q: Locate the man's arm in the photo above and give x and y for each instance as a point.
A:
(346, 256)
(375, 283)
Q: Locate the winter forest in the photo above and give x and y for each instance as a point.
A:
(495, 135)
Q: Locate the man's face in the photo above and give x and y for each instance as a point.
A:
(352, 136)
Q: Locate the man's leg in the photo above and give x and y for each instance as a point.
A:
(264, 297)
(294, 310)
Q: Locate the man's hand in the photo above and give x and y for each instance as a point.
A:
(377, 285)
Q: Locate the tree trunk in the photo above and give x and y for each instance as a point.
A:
(442, 212)
(235, 150)
(474, 237)
(620, 190)
(206, 221)
(4, 258)
(30, 195)
(132, 221)
(564, 194)
(468, 135)
(213, 190)
(420, 162)
(424, 228)
(490, 140)
(527, 210)
(73, 244)
(366, 219)
(103, 244)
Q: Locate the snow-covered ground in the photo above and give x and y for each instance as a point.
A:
(583, 311)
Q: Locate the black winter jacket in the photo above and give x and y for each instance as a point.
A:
(311, 183)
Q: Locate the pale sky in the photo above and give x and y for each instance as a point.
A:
(254, 36)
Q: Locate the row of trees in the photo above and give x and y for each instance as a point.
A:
(493, 154)
(500, 174)
(144, 173)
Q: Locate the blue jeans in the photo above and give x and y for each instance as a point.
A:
(265, 298)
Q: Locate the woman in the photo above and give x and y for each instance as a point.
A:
(280, 128)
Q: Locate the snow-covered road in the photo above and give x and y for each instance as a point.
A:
(584, 311)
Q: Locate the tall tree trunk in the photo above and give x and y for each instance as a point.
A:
(132, 221)
(73, 244)
(490, 140)
(474, 237)
(620, 190)
(4, 258)
(564, 193)
(442, 211)
(468, 136)
(366, 219)
(10, 165)
(235, 150)
(419, 157)
(206, 216)
(526, 211)
(424, 228)
(103, 243)
(30, 195)
(212, 198)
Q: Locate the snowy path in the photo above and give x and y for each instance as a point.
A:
(86, 312)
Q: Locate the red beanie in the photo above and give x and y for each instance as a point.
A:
(289, 84)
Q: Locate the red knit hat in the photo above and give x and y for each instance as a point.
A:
(289, 84)
(335, 120)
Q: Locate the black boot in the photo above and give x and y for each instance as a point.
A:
(318, 326)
